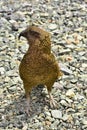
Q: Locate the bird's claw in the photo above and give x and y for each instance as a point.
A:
(28, 110)
(53, 103)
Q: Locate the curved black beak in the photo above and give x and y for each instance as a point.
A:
(23, 33)
(19, 36)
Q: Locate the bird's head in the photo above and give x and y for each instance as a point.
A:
(32, 33)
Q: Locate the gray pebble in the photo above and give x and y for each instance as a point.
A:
(52, 26)
(64, 103)
(65, 69)
(66, 117)
(54, 125)
(2, 70)
(84, 121)
(56, 114)
(70, 93)
(47, 113)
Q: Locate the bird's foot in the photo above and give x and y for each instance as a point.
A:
(53, 103)
(28, 110)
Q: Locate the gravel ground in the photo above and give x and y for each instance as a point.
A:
(67, 22)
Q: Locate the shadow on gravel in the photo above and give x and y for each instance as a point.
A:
(17, 108)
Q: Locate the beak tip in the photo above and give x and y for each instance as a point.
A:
(19, 37)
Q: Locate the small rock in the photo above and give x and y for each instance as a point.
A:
(55, 124)
(65, 69)
(2, 110)
(70, 110)
(84, 65)
(47, 113)
(82, 53)
(79, 96)
(44, 14)
(12, 89)
(15, 25)
(77, 122)
(66, 117)
(83, 77)
(84, 121)
(58, 85)
(52, 26)
(70, 93)
(34, 97)
(64, 51)
(49, 118)
(80, 29)
(1, 91)
(48, 123)
(56, 114)
(12, 64)
(71, 46)
(73, 81)
(2, 70)
(55, 48)
(64, 103)
(84, 127)
(85, 92)
(19, 125)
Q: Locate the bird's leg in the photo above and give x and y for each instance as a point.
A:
(28, 109)
(53, 103)
(27, 93)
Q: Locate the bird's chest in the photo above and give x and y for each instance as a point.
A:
(32, 61)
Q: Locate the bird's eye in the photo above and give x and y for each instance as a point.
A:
(36, 34)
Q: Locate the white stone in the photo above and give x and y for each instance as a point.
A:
(56, 114)
(70, 93)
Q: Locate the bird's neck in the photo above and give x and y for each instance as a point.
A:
(39, 47)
